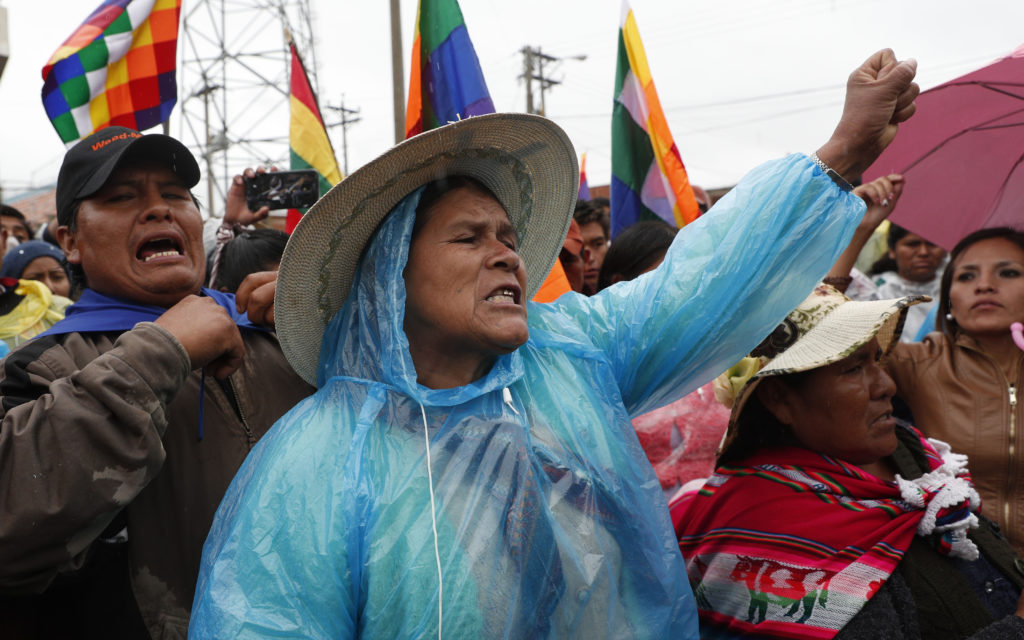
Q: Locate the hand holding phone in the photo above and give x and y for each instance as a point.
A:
(282, 189)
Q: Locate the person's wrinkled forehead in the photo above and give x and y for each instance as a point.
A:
(431, 193)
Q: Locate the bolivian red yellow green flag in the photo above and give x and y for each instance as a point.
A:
(309, 145)
(649, 180)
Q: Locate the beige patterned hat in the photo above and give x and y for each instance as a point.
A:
(825, 328)
(526, 161)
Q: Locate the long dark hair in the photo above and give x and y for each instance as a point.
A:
(950, 327)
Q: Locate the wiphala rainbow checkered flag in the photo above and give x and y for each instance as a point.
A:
(649, 181)
(117, 68)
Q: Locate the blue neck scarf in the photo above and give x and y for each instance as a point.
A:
(99, 312)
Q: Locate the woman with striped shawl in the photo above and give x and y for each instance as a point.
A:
(827, 517)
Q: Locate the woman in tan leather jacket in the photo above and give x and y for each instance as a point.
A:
(962, 383)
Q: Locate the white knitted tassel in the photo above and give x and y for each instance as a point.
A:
(948, 489)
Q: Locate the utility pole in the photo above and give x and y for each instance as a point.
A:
(397, 72)
(345, 122)
(528, 76)
(534, 63)
(233, 80)
(208, 147)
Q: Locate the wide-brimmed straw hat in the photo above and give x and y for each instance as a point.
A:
(526, 161)
(825, 328)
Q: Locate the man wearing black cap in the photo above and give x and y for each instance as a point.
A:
(115, 447)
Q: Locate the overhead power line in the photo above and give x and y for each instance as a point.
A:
(535, 68)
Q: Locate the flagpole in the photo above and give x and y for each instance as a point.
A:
(397, 71)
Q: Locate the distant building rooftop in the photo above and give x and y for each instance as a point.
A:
(38, 205)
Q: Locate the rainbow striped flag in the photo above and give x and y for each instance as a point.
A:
(309, 146)
(117, 68)
(648, 177)
(584, 192)
(445, 79)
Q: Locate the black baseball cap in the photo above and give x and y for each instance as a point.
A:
(88, 165)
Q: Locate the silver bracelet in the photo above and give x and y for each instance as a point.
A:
(832, 173)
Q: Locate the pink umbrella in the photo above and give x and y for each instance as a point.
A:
(962, 155)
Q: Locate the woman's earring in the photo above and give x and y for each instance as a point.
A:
(949, 317)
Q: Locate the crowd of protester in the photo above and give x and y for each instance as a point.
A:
(213, 429)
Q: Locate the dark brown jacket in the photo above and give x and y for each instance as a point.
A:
(100, 440)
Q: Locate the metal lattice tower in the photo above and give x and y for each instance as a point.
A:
(233, 109)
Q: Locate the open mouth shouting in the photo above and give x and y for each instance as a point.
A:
(160, 247)
(504, 295)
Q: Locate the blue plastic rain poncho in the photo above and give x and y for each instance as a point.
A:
(550, 521)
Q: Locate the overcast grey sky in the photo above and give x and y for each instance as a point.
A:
(741, 81)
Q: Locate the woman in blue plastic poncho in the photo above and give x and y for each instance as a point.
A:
(468, 469)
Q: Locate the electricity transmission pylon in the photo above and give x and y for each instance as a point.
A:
(233, 85)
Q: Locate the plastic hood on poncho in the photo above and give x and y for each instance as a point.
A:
(549, 523)
(366, 341)
(550, 520)
(366, 338)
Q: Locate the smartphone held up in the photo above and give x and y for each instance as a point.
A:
(282, 189)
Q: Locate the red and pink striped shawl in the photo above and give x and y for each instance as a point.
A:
(792, 543)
